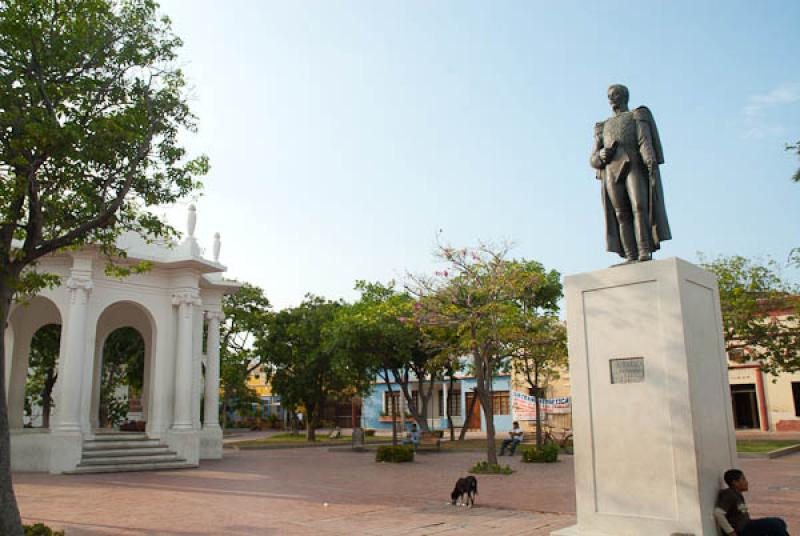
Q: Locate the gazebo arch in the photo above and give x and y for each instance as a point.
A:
(118, 315)
(24, 321)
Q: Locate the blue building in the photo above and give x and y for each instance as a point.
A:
(376, 409)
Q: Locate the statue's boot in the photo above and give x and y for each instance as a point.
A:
(643, 243)
(628, 238)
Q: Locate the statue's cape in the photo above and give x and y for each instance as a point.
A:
(643, 113)
(661, 230)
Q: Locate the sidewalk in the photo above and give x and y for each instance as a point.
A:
(285, 492)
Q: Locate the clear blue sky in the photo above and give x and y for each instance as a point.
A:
(344, 134)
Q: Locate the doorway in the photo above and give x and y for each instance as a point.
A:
(474, 422)
(745, 406)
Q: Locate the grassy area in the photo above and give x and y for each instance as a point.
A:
(468, 444)
(763, 445)
(289, 439)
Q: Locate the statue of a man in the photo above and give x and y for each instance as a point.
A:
(626, 155)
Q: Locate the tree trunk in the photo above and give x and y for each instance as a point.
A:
(447, 402)
(421, 421)
(536, 392)
(402, 382)
(311, 424)
(392, 405)
(47, 398)
(483, 370)
(425, 396)
(10, 522)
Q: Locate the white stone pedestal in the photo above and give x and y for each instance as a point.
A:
(211, 443)
(186, 443)
(65, 451)
(651, 403)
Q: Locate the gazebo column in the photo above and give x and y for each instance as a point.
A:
(182, 417)
(182, 435)
(67, 435)
(211, 446)
(211, 408)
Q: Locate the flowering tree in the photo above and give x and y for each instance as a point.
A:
(478, 299)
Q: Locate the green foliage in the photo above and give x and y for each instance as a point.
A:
(43, 371)
(547, 453)
(123, 366)
(308, 368)
(247, 313)
(759, 313)
(486, 468)
(90, 113)
(395, 453)
(380, 337)
(40, 529)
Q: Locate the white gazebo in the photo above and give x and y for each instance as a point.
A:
(173, 306)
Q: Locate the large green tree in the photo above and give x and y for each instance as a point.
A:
(307, 367)
(378, 333)
(759, 312)
(537, 340)
(247, 313)
(91, 108)
(539, 357)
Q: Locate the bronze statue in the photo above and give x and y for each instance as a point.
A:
(626, 155)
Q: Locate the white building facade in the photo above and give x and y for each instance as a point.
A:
(174, 306)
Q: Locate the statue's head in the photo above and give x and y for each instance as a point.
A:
(618, 97)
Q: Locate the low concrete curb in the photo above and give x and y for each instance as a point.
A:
(324, 444)
(785, 451)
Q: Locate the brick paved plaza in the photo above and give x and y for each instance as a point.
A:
(276, 492)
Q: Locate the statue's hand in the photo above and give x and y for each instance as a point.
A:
(604, 155)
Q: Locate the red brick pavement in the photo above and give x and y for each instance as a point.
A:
(277, 492)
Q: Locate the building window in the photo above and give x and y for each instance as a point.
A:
(500, 405)
(455, 403)
(387, 405)
(415, 400)
(796, 393)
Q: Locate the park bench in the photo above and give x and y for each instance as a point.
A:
(429, 441)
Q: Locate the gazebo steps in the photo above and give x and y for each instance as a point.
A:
(125, 468)
(121, 452)
(96, 452)
(131, 459)
(93, 444)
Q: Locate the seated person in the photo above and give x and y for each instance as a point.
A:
(513, 441)
(412, 437)
(731, 511)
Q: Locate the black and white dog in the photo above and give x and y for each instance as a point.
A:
(465, 486)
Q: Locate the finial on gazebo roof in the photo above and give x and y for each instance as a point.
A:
(217, 245)
(191, 221)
